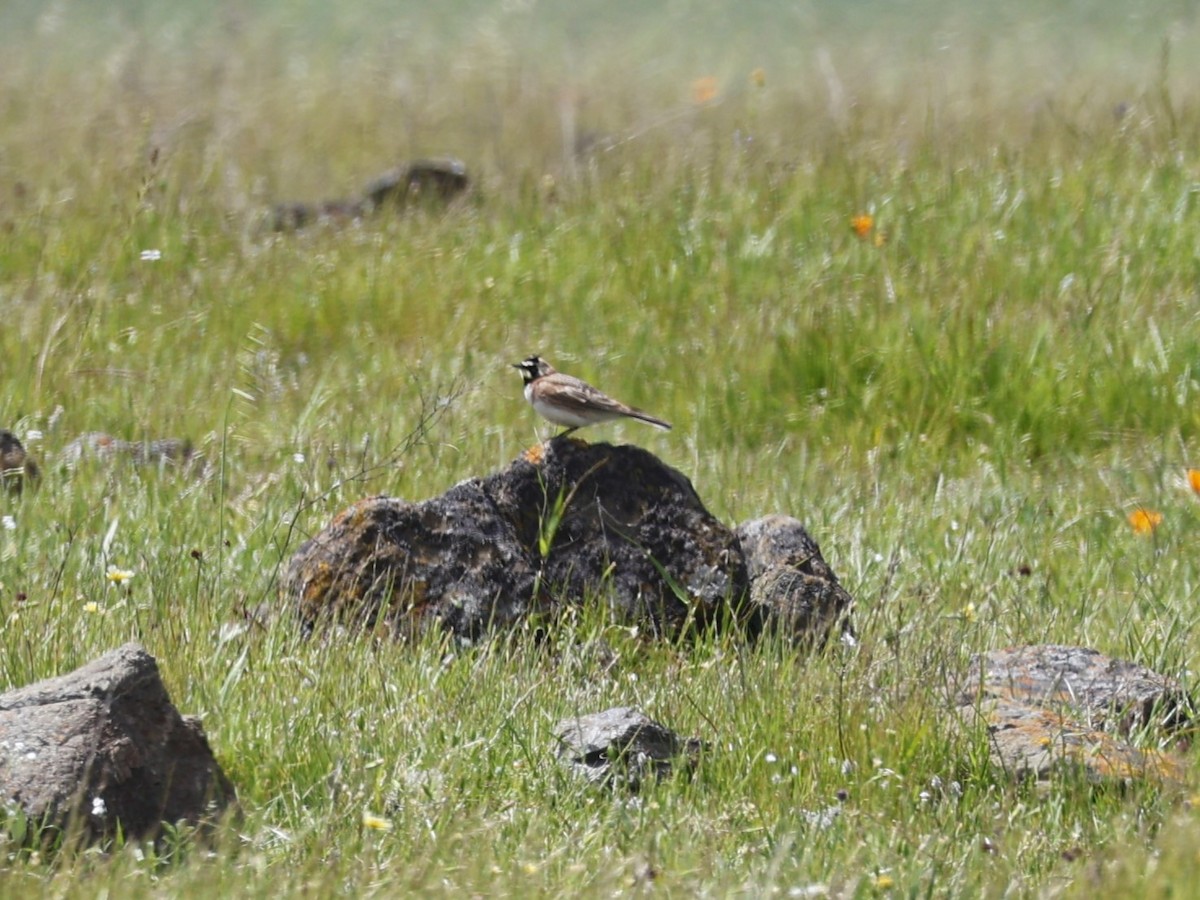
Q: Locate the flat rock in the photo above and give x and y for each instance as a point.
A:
(1032, 742)
(1098, 689)
(97, 445)
(1050, 709)
(622, 746)
(103, 747)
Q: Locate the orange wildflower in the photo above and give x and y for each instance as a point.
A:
(862, 225)
(1144, 521)
(1194, 479)
(704, 90)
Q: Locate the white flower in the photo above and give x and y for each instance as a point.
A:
(117, 575)
(151, 255)
(99, 810)
(298, 457)
(9, 523)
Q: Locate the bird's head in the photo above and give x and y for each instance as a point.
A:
(533, 367)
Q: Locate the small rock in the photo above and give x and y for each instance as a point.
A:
(623, 746)
(16, 466)
(294, 216)
(106, 448)
(425, 181)
(790, 582)
(103, 748)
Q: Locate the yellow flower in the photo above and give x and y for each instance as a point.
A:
(374, 822)
(118, 576)
(758, 78)
(884, 882)
(704, 90)
(861, 225)
(1194, 479)
(968, 613)
(1144, 521)
(91, 607)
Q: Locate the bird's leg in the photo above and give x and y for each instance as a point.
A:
(569, 431)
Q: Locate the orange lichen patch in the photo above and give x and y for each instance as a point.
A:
(318, 582)
(1144, 521)
(535, 454)
(1029, 741)
(352, 513)
(1128, 763)
(704, 90)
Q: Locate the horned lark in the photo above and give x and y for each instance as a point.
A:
(566, 400)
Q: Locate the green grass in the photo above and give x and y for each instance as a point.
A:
(996, 385)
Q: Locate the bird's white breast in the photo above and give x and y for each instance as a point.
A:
(557, 415)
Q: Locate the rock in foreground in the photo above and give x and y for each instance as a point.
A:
(103, 747)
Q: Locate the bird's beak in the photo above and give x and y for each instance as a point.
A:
(517, 365)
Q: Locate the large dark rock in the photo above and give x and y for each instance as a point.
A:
(792, 586)
(386, 563)
(570, 524)
(104, 747)
(622, 746)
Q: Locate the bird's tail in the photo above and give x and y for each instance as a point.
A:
(646, 417)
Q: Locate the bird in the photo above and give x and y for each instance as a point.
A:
(570, 401)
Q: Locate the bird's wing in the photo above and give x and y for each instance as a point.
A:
(580, 395)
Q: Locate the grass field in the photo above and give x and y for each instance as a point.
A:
(987, 382)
